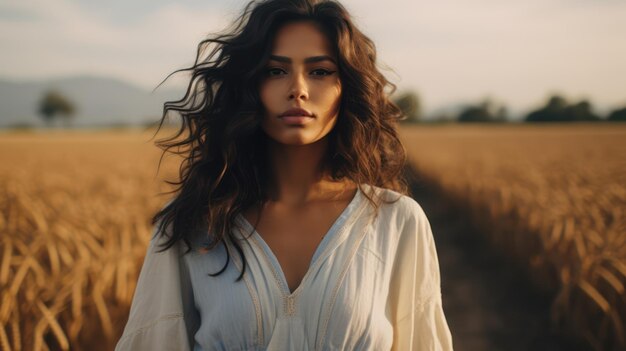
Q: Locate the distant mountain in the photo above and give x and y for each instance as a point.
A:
(98, 101)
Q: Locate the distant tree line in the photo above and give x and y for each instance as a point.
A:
(486, 111)
(556, 109)
(55, 105)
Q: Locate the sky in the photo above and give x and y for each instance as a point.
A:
(450, 52)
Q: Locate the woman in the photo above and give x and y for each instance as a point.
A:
(293, 173)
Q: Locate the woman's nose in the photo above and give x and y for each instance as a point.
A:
(298, 89)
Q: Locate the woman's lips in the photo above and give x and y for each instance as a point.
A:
(296, 120)
(296, 111)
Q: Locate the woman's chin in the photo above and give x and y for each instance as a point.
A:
(294, 140)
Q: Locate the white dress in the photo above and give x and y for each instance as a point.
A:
(372, 284)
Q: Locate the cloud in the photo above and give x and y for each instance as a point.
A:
(60, 38)
(518, 51)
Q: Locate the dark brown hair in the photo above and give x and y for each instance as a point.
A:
(223, 172)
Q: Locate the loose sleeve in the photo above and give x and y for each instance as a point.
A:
(415, 303)
(162, 314)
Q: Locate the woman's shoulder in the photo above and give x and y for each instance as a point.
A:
(399, 218)
(396, 204)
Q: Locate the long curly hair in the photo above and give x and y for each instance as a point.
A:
(223, 172)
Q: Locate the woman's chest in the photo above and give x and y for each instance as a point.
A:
(341, 303)
(294, 236)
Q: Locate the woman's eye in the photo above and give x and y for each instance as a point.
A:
(322, 72)
(274, 71)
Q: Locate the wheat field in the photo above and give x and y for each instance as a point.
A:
(552, 197)
(75, 213)
(75, 222)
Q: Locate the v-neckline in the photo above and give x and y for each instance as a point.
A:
(332, 233)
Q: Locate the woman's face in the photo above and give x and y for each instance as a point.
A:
(301, 74)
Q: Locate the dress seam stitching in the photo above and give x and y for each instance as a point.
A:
(342, 275)
(257, 306)
(268, 261)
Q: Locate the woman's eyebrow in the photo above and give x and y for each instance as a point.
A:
(306, 60)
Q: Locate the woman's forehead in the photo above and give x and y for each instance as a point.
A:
(300, 40)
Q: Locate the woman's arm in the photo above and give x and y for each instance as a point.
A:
(162, 314)
(415, 303)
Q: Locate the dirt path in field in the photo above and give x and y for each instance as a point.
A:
(488, 304)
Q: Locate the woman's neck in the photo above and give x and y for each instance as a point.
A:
(296, 173)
